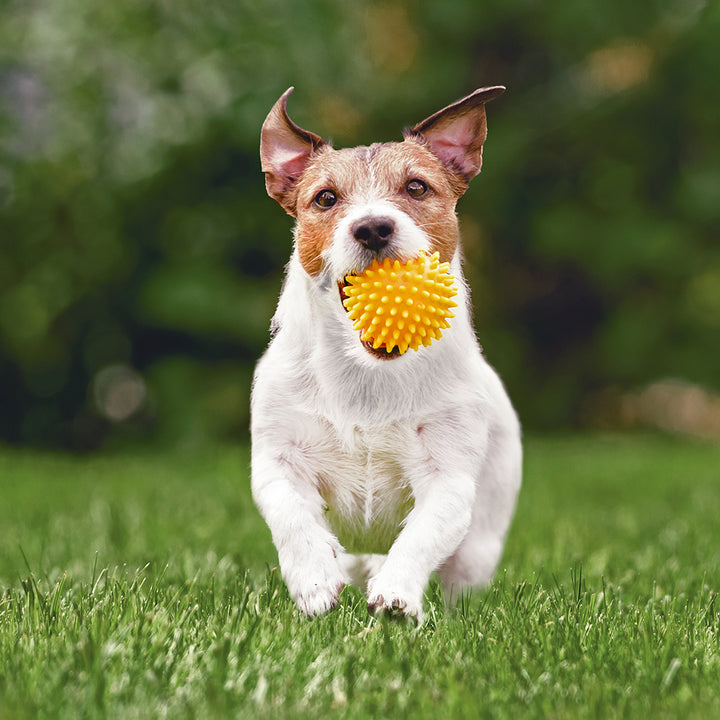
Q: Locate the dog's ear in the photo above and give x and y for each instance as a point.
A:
(285, 150)
(456, 133)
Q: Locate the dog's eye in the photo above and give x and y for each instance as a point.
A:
(416, 188)
(325, 199)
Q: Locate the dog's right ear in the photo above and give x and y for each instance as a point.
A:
(285, 150)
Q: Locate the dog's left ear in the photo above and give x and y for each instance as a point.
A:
(456, 133)
(285, 151)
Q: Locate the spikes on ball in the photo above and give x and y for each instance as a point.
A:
(401, 305)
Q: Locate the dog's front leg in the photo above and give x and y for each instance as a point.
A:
(310, 556)
(443, 485)
(434, 529)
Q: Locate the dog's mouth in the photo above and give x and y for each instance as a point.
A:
(381, 353)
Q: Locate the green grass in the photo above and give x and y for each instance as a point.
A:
(141, 586)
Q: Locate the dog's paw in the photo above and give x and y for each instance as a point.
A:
(319, 598)
(393, 600)
(315, 581)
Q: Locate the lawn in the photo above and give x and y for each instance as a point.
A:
(142, 585)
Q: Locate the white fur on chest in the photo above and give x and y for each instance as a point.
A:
(364, 484)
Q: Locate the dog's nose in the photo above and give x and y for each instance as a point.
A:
(374, 233)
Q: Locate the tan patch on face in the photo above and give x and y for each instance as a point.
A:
(378, 172)
(312, 239)
(335, 170)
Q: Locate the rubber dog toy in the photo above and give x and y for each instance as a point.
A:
(401, 305)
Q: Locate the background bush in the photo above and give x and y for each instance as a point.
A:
(140, 259)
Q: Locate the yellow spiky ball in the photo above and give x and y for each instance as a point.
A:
(401, 305)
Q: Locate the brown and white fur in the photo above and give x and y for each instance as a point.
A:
(411, 462)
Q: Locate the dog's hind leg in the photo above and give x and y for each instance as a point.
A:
(474, 562)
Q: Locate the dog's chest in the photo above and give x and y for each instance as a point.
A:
(366, 490)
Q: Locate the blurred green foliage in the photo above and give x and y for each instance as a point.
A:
(140, 259)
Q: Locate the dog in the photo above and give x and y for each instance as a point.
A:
(369, 466)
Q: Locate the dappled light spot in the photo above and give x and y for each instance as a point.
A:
(617, 67)
(119, 392)
(676, 406)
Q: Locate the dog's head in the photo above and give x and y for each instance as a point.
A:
(386, 200)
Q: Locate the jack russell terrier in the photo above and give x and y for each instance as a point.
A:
(372, 466)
